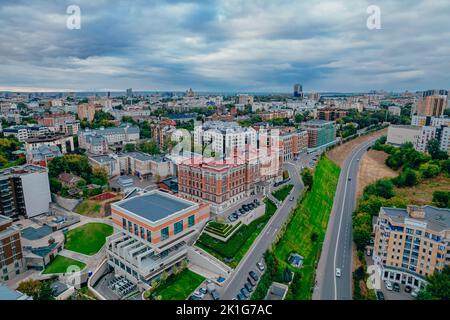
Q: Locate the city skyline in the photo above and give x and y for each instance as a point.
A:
(224, 46)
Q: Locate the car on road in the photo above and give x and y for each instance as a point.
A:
(215, 295)
(380, 295)
(248, 286)
(245, 293)
(396, 287)
(338, 272)
(408, 289)
(388, 285)
(291, 199)
(253, 275)
(349, 179)
(260, 266)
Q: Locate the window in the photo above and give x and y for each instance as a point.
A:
(124, 223)
(164, 233)
(142, 233)
(149, 236)
(191, 221)
(130, 227)
(136, 232)
(178, 227)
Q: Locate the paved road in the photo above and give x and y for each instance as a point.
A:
(236, 281)
(337, 248)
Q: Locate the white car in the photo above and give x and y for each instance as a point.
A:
(388, 285)
(415, 293)
(338, 272)
(199, 294)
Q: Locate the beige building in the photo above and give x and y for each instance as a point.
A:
(411, 244)
(400, 134)
(86, 111)
(432, 103)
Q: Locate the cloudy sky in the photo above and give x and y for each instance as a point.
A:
(224, 45)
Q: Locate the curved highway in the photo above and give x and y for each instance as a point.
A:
(337, 248)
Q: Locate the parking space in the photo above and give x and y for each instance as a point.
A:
(242, 210)
(253, 277)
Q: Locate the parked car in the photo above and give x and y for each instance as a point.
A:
(203, 290)
(260, 266)
(396, 287)
(415, 293)
(388, 285)
(215, 295)
(231, 218)
(252, 281)
(241, 211)
(245, 293)
(380, 295)
(194, 297)
(408, 289)
(248, 286)
(240, 296)
(199, 294)
(338, 272)
(253, 275)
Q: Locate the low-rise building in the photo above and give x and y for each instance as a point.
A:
(98, 141)
(43, 154)
(23, 133)
(62, 141)
(11, 258)
(153, 233)
(400, 134)
(411, 244)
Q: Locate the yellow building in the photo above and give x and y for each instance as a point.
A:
(411, 244)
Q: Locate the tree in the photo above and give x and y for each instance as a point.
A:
(408, 178)
(46, 292)
(438, 287)
(30, 287)
(429, 170)
(129, 147)
(382, 188)
(99, 176)
(435, 151)
(150, 147)
(441, 199)
(307, 178)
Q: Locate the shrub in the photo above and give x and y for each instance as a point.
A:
(441, 199)
(381, 188)
(429, 170)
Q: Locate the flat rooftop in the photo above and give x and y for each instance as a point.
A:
(155, 206)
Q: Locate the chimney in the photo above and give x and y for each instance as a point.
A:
(415, 212)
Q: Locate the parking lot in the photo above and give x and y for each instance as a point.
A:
(242, 210)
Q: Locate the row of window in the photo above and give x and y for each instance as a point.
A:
(146, 234)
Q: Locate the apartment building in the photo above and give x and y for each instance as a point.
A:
(331, 114)
(293, 143)
(23, 133)
(224, 137)
(395, 110)
(11, 258)
(430, 121)
(55, 120)
(62, 141)
(276, 114)
(86, 111)
(432, 103)
(98, 141)
(411, 244)
(24, 191)
(152, 233)
(320, 133)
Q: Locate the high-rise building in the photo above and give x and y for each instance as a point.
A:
(24, 191)
(130, 93)
(298, 91)
(245, 99)
(11, 257)
(432, 103)
(411, 244)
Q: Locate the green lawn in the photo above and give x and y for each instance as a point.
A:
(238, 244)
(179, 286)
(310, 217)
(282, 193)
(88, 239)
(60, 265)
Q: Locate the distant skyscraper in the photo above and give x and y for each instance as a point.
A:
(129, 93)
(298, 91)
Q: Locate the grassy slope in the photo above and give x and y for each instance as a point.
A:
(311, 216)
(60, 265)
(180, 286)
(282, 193)
(89, 238)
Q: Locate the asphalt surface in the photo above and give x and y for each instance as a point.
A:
(239, 276)
(337, 248)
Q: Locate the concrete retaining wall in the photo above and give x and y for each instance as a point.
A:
(206, 261)
(68, 204)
